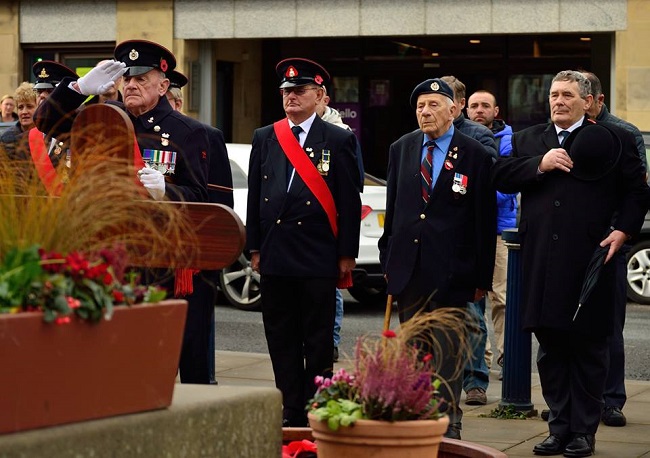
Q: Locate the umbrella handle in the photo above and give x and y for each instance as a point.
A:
(389, 306)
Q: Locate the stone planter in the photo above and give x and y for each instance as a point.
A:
(380, 439)
(55, 374)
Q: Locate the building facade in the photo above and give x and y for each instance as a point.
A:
(376, 50)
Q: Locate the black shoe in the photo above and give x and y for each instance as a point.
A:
(336, 355)
(453, 431)
(581, 445)
(545, 413)
(552, 445)
(612, 416)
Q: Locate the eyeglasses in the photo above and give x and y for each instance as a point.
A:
(296, 90)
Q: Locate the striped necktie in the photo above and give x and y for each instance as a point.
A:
(563, 136)
(425, 171)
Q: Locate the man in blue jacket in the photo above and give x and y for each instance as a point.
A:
(482, 108)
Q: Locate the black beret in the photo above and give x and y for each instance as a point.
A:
(49, 73)
(297, 71)
(176, 79)
(431, 86)
(594, 150)
(141, 56)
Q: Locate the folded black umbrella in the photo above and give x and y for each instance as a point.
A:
(592, 273)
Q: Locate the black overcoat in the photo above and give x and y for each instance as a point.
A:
(563, 219)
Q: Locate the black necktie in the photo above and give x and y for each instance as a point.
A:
(563, 135)
(296, 133)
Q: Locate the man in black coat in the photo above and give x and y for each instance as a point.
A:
(437, 249)
(572, 201)
(292, 232)
(157, 128)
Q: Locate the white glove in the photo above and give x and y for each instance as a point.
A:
(101, 78)
(153, 181)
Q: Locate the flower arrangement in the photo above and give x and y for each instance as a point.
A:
(67, 255)
(394, 376)
(87, 286)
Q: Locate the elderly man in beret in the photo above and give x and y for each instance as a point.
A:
(302, 229)
(582, 187)
(158, 127)
(437, 249)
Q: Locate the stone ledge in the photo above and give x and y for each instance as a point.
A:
(202, 421)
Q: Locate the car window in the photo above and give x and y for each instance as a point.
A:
(239, 180)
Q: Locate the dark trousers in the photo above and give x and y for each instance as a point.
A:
(298, 315)
(572, 368)
(411, 301)
(194, 365)
(615, 384)
(195, 351)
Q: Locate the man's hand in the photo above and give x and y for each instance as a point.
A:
(255, 261)
(556, 158)
(346, 265)
(615, 240)
(479, 294)
(153, 181)
(101, 78)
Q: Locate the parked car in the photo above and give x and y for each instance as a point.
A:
(241, 286)
(638, 259)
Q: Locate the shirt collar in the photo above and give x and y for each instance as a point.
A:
(306, 124)
(444, 137)
(570, 129)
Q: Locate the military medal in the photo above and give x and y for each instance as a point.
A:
(324, 164)
(164, 140)
(58, 148)
(460, 183)
(163, 161)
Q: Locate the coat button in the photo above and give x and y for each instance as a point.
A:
(416, 241)
(266, 177)
(423, 216)
(555, 237)
(308, 202)
(266, 199)
(277, 222)
(299, 223)
(556, 203)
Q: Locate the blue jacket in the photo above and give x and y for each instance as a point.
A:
(506, 203)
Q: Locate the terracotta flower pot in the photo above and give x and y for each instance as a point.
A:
(53, 374)
(380, 439)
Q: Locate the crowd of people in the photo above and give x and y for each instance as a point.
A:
(453, 185)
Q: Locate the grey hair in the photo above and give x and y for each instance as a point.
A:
(584, 86)
(596, 86)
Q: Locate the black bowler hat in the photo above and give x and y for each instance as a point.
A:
(49, 73)
(176, 79)
(594, 149)
(297, 71)
(431, 86)
(141, 56)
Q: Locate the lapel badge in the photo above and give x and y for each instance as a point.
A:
(448, 165)
(133, 55)
(310, 150)
(150, 120)
(58, 148)
(449, 154)
(324, 164)
(455, 148)
(455, 156)
(164, 140)
(156, 128)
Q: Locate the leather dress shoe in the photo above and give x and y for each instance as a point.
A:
(612, 416)
(552, 445)
(580, 445)
(453, 431)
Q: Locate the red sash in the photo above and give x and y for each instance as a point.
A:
(44, 168)
(312, 179)
(306, 170)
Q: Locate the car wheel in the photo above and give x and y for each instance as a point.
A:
(638, 273)
(368, 296)
(241, 285)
